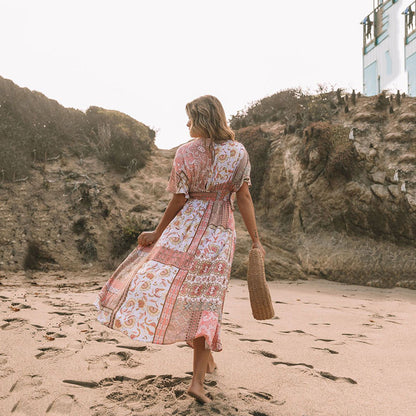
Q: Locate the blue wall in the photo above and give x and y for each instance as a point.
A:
(370, 79)
(411, 70)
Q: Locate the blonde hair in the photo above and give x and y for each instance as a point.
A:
(208, 116)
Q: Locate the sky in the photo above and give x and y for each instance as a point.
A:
(149, 58)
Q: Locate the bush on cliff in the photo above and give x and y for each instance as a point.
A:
(120, 140)
(34, 128)
(257, 145)
(293, 107)
(336, 154)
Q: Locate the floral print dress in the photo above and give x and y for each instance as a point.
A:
(174, 290)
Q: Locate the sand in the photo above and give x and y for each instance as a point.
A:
(332, 350)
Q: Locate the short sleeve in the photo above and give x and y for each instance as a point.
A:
(242, 171)
(178, 181)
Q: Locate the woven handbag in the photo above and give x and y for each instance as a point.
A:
(260, 300)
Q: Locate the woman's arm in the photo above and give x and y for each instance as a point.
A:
(175, 205)
(245, 205)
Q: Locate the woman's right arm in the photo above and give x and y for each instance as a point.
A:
(245, 205)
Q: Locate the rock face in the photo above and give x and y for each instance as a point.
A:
(348, 204)
(327, 205)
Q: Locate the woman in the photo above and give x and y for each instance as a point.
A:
(172, 286)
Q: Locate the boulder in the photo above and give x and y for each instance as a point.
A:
(379, 177)
(394, 191)
(359, 192)
(380, 191)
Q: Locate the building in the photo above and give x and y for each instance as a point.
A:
(410, 47)
(389, 47)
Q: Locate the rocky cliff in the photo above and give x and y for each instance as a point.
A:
(333, 183)
(340, 194)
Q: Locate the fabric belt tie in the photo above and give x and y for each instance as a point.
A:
(224, 196)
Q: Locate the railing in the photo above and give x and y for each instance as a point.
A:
(368, 32)
(375, 25)
(410, 23)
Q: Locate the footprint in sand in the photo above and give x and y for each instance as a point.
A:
(230, 331)
(18, 305)
(75, 344)
(136, 348)
(4, 370)
(65, 405)
(13, 323)
(49, 352)
(255, 340)
(120, 357)
(292, 364)
(231, 325)
(25, 382)
(373, 326)
(264, 353)
(297, 331)
(61, 313)
(251, 397)
(356, 337)
(101, 337)
(55, 334)
(22, 408)
(330, 376)
(313, 372)
(326, 349)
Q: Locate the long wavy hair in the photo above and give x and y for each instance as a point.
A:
(208, 116)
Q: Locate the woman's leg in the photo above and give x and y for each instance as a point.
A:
(201, 356)
(211, 365)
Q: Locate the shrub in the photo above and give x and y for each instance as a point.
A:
(124, 237)
(257, 145)
(121, 141)
(86, 246)
(34, 129)
(293, 107)
(35, 257)
(336, 152)
(80, 225)
(382, 102)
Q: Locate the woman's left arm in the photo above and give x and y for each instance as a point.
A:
(175, 205)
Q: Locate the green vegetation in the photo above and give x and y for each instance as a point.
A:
(36, 258)
(124, 237)
(35, 129)
(336, 153)
(293, 107)
(120, 140)
(257, 145)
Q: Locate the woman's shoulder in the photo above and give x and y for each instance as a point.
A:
(185, 147)
(239, 147)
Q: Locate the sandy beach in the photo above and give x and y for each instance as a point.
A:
(332, 350)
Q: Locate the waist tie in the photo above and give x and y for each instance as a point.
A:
(224, 196)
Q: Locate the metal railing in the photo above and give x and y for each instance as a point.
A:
(410, 22)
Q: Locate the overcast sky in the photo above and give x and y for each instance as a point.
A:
(149, 58)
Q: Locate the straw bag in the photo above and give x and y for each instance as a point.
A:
(260, 300)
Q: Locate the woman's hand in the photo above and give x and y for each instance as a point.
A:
(257, 244)
(147, 238)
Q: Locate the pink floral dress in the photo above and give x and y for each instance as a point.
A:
(174, 290)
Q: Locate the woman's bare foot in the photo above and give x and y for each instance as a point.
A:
(211, 366)
(197, 392)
